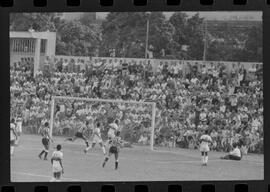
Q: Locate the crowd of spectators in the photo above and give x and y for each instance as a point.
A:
(188, 99)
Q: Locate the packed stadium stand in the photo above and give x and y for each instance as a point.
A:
(189, 98)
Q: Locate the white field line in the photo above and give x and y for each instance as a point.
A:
(38, 175)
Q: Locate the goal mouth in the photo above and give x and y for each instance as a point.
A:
(136, 118)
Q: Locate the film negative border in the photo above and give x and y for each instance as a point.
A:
(43, 3)
(139, 187)
(7, 6)
(133, 5)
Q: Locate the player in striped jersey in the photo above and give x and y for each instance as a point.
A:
(81, 133)
(113, 128)
(45, 133)
(205, 140)
(13, 136)
(115, 144)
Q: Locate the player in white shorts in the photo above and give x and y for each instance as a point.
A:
(205, 140)
(57, 166)
(97, 139)
(13, 136)
(18, 128)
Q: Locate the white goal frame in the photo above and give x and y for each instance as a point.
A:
(153, 104)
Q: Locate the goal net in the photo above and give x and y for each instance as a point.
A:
(136, 119)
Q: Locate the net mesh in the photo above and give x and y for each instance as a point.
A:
(135, 119)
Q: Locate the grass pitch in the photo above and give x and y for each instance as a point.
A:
(135, 164)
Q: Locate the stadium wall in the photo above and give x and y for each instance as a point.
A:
(156, 62)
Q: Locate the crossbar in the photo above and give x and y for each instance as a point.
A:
(102, 100)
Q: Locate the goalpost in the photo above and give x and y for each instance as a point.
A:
(152, 104)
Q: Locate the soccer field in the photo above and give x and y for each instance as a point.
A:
(135, 164)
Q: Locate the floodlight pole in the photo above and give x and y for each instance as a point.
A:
(205, 41)
(147, 36)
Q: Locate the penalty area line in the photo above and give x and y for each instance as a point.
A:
(38, 175)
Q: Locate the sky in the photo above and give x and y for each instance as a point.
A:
(221, 15)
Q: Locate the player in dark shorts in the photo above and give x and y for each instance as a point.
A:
(45, 133)
(81, 134)
(115, 144)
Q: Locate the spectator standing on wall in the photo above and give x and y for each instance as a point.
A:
(59, 65)
(65, 65)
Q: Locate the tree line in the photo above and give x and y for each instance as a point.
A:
(123, 34)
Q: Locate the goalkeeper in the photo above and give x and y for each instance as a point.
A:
(81, 133)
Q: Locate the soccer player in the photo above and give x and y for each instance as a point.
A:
(18, 128)
(44, 131)
(97, 139)
(81, 133)
(115, 143)
(57, 165)
(205, 140)
(235, 154)
(13, 136)
(113, 128)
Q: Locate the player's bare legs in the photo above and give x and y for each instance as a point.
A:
(11, 150)
(203, 161)
(103, 148)
(100, 144)
(116, 160)
(82, 137)
(87, 145)
(71, 138)
(106, 159)
(204, 158)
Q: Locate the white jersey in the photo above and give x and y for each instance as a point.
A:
(205, 140)
(19, 125)
(236, 152)
(113, 128)
(97, 136)
(56, 167)
(97, 132)
(12, 129)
